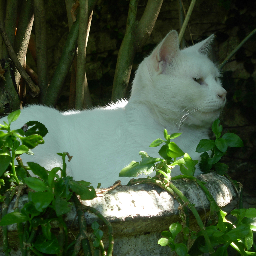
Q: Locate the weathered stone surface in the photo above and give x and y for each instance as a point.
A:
(139, 213)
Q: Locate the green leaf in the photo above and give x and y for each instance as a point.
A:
(221, 225)
(181, 249)
(174, 151)
(52, 175)
(21, 173)
(13, 217)
(61, 188)
(163, 152)
(35, 127)
(248, 240)
(156, 143)
(98, 233)
(233, 140)
(216, 157)
(136, 168)
(32, 141)
(46, 228)
(29, 209)
(2, 134)
(4, 127)
(205, 145)
(174, 135)
(167, 234)
(96, 243)
(95, 225)
(4, 163)
(217, 128)
(21, 149)
(166, 135)
(221, 251)
(205, 165)
(221, 144)
(47, 246)
(250, 213)
(190, 165)
(38, 170)
(13, 116)
(36, 184)
(163, 241)
(239, 232)
(83, 189)
(41, 200)
(175, 229)
(221, 168)
(61, 206)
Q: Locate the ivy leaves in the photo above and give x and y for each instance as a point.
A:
(217, 149)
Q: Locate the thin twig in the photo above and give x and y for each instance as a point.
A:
(8, 199)
(182, 31)
(83, 235)
(236, 49)
(34, 88)
(107, 223)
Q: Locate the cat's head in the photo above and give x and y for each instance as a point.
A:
(181, 86)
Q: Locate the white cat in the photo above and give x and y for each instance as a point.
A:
(177, 90)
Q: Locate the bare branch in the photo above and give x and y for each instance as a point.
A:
(34, 88)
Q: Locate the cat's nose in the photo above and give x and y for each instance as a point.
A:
(222, 95)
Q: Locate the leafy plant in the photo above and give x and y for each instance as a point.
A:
(217, 149)
(212, 239)
(49, 196)
(169, 152)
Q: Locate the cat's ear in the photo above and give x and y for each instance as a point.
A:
(203, 46)
(165, 52)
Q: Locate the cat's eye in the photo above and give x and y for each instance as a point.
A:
(198, 80)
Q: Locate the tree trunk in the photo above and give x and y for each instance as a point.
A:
(41, 51)
(135, 37)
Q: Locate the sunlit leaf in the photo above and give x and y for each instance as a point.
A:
(174, 135)
(21, 150)
(36, 184)
(156, 143)
(175, 229)
(174, 151)
(38, 170)
(13, 116)
(163, 241)
(83, 189)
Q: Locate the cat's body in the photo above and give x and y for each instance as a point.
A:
(174, 90)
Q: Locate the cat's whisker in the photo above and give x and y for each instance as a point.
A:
(185, 116)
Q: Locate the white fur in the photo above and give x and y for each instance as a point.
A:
(164, 96)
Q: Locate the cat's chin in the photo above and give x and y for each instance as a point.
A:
(204, 118)
(210, 116)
